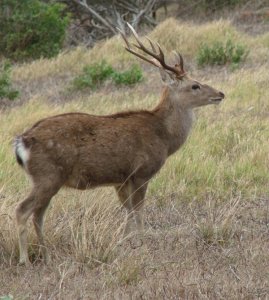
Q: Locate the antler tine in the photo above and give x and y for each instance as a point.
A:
(180, 60)
(158, 59)
(152, 45)
(128, 48)
(143, 57)
(143, 48)
(161, 54)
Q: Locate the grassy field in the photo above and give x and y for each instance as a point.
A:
(207, 211)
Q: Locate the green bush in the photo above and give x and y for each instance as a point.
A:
(31, 28)
(95, 74)
(6, 90)
(221, 54)
(7, 297)
(128, 77)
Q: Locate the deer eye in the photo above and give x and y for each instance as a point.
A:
(195, 86)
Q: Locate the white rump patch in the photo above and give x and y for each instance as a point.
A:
(21, 150)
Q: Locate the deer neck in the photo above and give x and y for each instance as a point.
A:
(176, 118)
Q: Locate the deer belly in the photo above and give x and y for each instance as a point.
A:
(86, 180)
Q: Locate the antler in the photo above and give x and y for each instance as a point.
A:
(158, 58)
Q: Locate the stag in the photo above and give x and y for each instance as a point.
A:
(124, 149)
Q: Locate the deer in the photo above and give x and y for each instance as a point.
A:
(124, 150)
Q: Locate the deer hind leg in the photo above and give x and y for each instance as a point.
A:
(138, 199)
(36, 203)
(132, 197)
(23, 212)
(124, 192)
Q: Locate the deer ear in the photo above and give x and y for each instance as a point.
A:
(167, 78)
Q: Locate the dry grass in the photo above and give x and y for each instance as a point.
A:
(207, 213)
(213, 250)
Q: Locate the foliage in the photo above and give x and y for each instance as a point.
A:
(31, 28)
(128, 77)
(93, 75)
(221, 54)
(6, 90)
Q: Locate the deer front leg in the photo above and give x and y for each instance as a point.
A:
(132, 194)
(125, 197)
(138, 199)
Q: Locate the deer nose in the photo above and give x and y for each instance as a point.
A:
(221, 94)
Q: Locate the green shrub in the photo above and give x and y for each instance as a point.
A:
(6, 90)
(31, 28)
(7, 297)
(128, 77)
(95, 74)
(221, 54)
